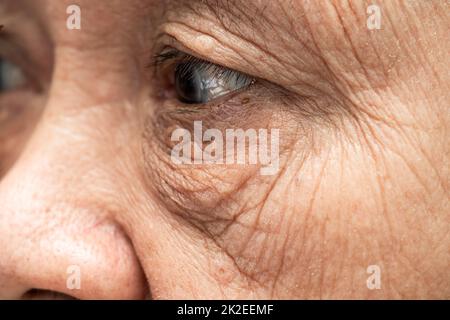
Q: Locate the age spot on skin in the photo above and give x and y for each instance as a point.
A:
(245, 100)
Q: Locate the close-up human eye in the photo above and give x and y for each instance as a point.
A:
(195, 81)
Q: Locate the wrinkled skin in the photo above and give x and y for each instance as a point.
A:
(364, 170)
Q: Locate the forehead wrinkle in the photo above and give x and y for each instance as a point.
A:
(262, 23)
(231, 15)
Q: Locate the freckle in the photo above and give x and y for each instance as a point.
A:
(206, 43)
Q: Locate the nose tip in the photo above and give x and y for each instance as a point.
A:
(68, 251)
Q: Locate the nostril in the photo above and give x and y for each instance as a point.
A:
(38, 294)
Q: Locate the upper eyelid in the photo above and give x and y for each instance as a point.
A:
(167, 41)
(170, 54)
(180, 56)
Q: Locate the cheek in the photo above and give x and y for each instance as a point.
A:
(242, 211)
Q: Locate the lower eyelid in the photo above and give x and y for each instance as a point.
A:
(228, 106)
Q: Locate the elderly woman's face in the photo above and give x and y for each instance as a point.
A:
(124, 173)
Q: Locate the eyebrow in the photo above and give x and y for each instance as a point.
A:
(230, 8)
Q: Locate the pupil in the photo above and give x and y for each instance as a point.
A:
(188, 84)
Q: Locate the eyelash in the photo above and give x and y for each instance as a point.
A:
(192, 61)
(175, 57)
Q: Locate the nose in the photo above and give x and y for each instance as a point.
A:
(58, 231)
(61, 243)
